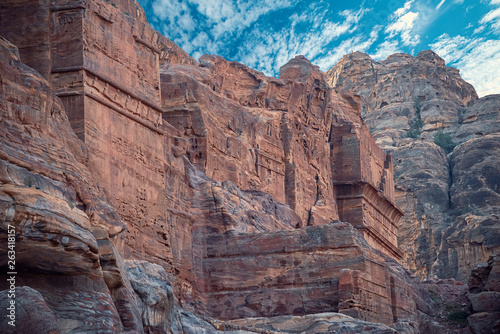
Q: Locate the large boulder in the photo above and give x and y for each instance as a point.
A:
(29, 313)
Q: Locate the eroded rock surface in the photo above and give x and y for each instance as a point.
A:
(450, 202)
(484, 284)
(48, 195)
(401, 88)
(314, 323)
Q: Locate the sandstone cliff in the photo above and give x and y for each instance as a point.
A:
(144, 186)
(450, 194)
(68, 236)
(64, 222)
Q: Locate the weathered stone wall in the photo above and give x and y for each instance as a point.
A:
(365, 187)
(273, 135)
(484, 285)
(63, 221)
(247, 131)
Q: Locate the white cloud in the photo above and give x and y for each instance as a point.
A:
(451, 49)
(477, 59)
(386, 49)
(492, 17)
(478, 30)
(403, 23)
(225, 16)
(269, 50)
(440, 4)
(405, 9)
(186, 22)
(356, 43)
(219, 21)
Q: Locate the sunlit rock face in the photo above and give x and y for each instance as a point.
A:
(401, 88)
(450, 201)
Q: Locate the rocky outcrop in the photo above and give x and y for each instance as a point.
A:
(78, 46)
(401, 91)
(479, 119)
(314, 323)
(271, 134)
(484, 285)
(64, 216)
(450, 202)
(30, 315)
(155, 295)
(422, 187)
(69, 275)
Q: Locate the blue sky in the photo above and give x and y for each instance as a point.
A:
(265, 34)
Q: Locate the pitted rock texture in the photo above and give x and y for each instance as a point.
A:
(102, 59)
(450, 202)
(233, 118)
(314, 323)
(237, 125)
(217, 210)
(272, 134)
(70, 276)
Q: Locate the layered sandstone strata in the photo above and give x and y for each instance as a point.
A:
(60, 214)
(274, 134)
(246, 130)
(70, 275)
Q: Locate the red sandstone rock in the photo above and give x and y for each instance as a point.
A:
(104, 65)
(235, 118)
(292, 124)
